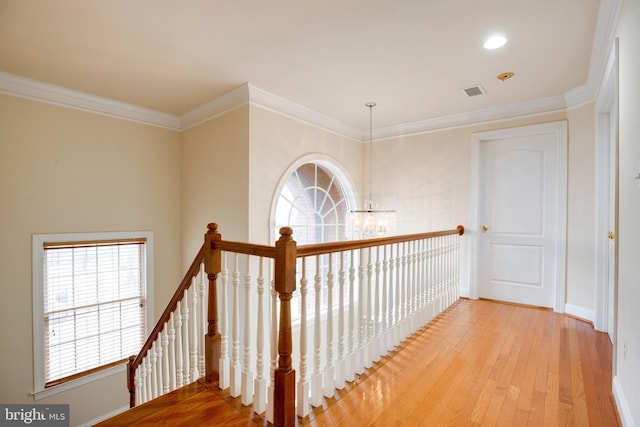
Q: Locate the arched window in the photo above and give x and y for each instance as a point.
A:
(314, 201)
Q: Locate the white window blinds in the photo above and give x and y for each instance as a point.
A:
(94, 305)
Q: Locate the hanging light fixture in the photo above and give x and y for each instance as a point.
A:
(370, 222)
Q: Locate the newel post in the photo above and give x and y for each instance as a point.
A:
(284, 411)
(212, 266)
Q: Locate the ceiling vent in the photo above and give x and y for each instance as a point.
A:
(472, 91)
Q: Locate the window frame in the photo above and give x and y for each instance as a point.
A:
(38, 253)
(350, 193)
(350, 197)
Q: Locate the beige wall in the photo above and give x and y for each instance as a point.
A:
(276, 143)
(63, 170)
(215, 180)
(627, 380)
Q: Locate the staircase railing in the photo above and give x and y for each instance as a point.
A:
(366, 296)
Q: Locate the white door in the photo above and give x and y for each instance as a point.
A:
(522, 214)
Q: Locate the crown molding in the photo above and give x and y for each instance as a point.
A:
(608, 16)
(22, 87)
(505, 112)
(290, 109)
(230, 101)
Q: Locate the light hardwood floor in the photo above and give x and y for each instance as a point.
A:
(479, 363)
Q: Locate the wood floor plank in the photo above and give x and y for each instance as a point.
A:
(481, 363)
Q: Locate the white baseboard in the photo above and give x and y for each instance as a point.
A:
(581, 312)
(464, 292)
(104, 417)
(623, 407)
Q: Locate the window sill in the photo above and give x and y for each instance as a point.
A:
(42, 393)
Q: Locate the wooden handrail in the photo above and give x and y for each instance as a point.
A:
(333, 247)
(134, 361)
(245, 248)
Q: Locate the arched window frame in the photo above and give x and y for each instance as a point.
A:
(347, 187)
(345, 182)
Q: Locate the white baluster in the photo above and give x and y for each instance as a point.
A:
(185, 338)
(195, 328)
(439, 275)
(368, 316)
(316, 380)
(340, 365)
(137, 382)
(360, 350)
(375, 345)
(303, 381)
(425, 283)
(457, 266)
(159, 365)
(224, 367)
(386, 303)
(153, 371)
(178, 346)
(329, 370)
(411, 294)
(260, 384)
(273, 339)
(166, 379)
(398, 299)
(247, 376)
(236, 385)
(148, 386)
(203, 315)
(405, 292)
(145, 379)
(351, 356)
(419, 286)
(172, 353)
(432, 278)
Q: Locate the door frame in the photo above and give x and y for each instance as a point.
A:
(606, 113)
(559, 130)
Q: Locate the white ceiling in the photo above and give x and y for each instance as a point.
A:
(412, 57)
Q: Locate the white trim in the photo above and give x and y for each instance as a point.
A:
(559, 129)
(104, 417)
(487, 115)
(605, 105)
(46, 392)
(579, 312)
(38, 316)
(226, 103)
(51, 94)
(621, 402)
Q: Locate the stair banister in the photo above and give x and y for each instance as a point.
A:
(212, 266)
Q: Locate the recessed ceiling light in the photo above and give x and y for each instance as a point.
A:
(495, 42)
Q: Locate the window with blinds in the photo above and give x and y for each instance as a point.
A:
(93, 305)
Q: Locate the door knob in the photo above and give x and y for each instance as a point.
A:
(612, 235)
(485, 228)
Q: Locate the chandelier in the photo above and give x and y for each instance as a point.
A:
(370, 222)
